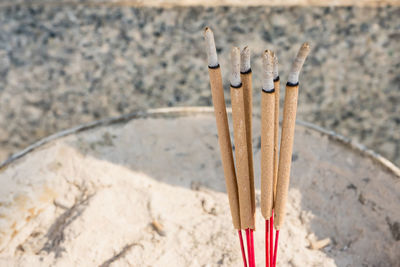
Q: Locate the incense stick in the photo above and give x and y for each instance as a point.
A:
(276, 122)
(247, 212)
(223, 134)
(286, 149)
(222, 127)
(267, 136)
(276, 151)
(288, 124)
(267, 142)
(246, 77)
(239, 133)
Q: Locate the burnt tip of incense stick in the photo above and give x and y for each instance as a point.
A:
(267, 74)
(245, 60)
(289, 84)
(275, 67)
(210, 47)
(268, 91)
(298, 64)
(235, 68)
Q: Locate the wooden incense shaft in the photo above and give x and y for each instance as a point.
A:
(267, 151)
(246, 78)
(276, 133)
(285, 154)
(225, 145)
(247, 215)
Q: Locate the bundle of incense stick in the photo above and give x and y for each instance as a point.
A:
(275, 170)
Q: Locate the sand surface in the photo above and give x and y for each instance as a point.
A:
(150, 192)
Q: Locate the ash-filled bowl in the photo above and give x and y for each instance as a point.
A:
(147, 189)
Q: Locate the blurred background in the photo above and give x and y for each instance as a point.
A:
(63, 63)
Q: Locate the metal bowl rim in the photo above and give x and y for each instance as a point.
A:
(195, 110)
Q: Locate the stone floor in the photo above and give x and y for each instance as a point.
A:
(65, 64)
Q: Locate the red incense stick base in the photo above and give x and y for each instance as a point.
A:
(242, 248)
(276, 247)
(271, 239)
(267, 243)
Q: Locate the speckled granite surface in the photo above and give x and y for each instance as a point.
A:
(68, 64)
